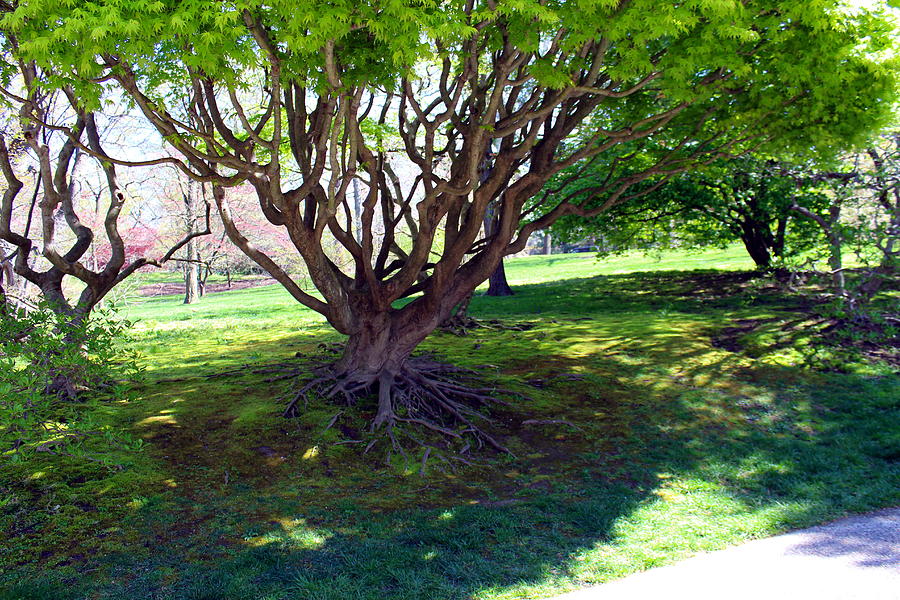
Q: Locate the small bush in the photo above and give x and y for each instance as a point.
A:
(53, 371)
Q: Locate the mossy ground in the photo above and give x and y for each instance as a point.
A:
(672, 443)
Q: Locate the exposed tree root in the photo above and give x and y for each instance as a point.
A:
(423, 397)
(433, 406)
(459, 324)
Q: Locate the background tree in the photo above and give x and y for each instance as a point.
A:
(193, 197)
(747, 200)
(55, 135)
(280, 92)
(7, 278)
(497, 284)
(862, 213)
(56, 157)
(882, 179)
(177, 215)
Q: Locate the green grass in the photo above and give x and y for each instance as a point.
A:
(519, 270)
(671, 445)
(556, 267)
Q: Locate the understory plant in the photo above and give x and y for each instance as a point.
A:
(53, 372)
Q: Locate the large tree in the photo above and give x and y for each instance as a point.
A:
(296, 96)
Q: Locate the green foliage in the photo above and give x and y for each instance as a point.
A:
(380, 136)
(745, 200)
(46, 357)
(803, 72)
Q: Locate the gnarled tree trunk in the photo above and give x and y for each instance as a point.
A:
(379, 345)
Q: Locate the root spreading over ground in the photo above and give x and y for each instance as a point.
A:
(426, 405)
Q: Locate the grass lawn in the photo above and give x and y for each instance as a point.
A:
(666, 414)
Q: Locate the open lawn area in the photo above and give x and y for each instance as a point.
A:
(664, 407)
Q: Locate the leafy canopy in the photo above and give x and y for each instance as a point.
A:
(378, 41)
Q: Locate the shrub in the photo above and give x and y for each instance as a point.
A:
(54, 370)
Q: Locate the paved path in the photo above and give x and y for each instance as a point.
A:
(857, 558)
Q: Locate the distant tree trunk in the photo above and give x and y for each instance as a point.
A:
(832, 233)
(885, 160)
(758, 239)
(497, 284)
(191, 266)
(836, 263)
(205, 272)
(548, 243)
(191, 275)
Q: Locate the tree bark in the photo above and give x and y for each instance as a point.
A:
(459, 320)
(497, 284)
(379, 348)
(4, 303)
(548, 244)
(357, 212)
(7, 279)
(757, 247)
(835, 242)
(191, 275)
(204, 274)
(836, 264)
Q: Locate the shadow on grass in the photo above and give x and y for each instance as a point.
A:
(699, 291)
(676, 449)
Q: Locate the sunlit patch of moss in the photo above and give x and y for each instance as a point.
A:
(250, 414)
(156, 420)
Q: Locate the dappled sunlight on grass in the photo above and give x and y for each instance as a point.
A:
(294, 534)
(639, 443)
